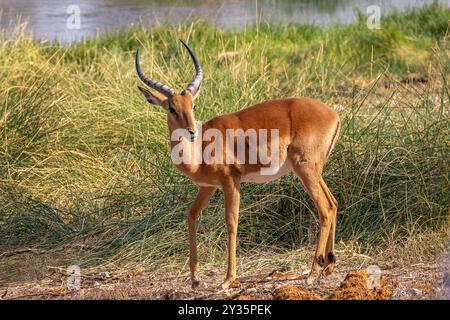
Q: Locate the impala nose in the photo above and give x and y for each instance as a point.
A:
(193, 134)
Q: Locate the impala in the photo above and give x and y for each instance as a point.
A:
(307, 131)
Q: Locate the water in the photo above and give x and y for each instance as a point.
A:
(48, 19)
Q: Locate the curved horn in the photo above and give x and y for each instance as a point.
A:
(162, 88)
(197, 81)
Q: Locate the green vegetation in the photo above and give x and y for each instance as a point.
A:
(85, 164)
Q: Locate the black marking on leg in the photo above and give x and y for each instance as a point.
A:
(321, 261)
(331, 257)
(195, 284)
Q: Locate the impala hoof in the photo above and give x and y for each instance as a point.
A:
(329, 269)
(196, 284)
(313, 275)
(312, 278)
(227, 284)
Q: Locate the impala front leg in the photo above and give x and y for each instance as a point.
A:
(231, 190)
(203, 196)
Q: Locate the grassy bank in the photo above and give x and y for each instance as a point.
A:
(85, 170)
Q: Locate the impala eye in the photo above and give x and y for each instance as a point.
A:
(193, 108)
(172, 110)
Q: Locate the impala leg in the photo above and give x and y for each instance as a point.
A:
(203, 196)
(311, 181)
(330, 257)
(231, 191)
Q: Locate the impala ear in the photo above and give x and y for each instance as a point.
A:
(154, 98)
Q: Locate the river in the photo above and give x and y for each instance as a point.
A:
(71, 20)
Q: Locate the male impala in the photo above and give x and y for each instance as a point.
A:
(307, 131)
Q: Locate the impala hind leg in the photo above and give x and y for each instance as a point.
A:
(310, 178)
(203, 196)
(231, 191)
(330, 256)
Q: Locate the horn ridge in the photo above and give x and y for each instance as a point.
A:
(194, 85)
(158, 86)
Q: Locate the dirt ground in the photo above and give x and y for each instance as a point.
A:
(411, 282)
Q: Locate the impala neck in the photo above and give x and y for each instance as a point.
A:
(189, 164)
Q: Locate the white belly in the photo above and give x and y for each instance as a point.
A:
(271, 175)
(204, 184)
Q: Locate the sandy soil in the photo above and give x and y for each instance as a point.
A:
(412, 282)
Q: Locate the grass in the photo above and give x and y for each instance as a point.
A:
(85, 170)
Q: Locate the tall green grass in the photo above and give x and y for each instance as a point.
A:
(84, 160)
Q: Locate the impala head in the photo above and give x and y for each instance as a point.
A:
(179, 106)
